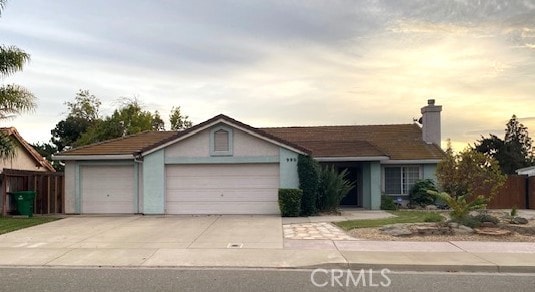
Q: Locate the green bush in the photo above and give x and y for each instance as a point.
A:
(469, 221)
(418, 194)
(308, 170)
(387, 203)
(486, 218)
(334, 186)
(460, 207)
(290, 202)
(514, 212)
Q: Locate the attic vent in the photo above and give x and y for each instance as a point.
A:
(221, 140)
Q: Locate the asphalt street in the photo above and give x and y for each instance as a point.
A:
(136, 279)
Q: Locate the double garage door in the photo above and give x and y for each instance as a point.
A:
(222, 189)
(189, 189)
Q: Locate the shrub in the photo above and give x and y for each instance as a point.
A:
(460, 207)
(418, 194)
(469, 221)
(308, 171)
(290, 202)
(470, 174)
(486, 218)
(514, 212)
(334, 186)
(387, 203)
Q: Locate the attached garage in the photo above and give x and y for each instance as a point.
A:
(107, 189)
(222, 189)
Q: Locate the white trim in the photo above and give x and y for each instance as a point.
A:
(337, 159)
(421, 161)
(92, 157)
(221, 120)
(525, 169)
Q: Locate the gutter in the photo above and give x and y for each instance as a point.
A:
(340, 159)
(93, 157)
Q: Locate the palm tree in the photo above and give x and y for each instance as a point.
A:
(14, 99)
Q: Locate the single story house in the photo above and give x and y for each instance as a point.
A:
(26, 158)
(223, 166)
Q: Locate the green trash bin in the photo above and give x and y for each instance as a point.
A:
(25, 202)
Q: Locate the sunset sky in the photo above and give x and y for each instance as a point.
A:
(282, 63)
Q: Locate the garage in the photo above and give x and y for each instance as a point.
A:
(222, 189)
(107, 189)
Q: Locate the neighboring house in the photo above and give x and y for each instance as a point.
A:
(223, 166)
(26, 158)
(529, 171)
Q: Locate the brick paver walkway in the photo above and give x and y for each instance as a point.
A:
(315, 231)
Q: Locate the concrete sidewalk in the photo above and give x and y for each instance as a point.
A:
(396, 256)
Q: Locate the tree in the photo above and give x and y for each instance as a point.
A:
(83, 114)
(129, 119)
(469, 174)
(14, 99)
(178, 121)
(514, 151)
(47, 150)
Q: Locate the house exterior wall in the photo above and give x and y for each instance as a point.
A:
(371, 185)
(70, 187)
(429, 172)
(154, 183)
(22, 161)
(289, 178)
(244, 145)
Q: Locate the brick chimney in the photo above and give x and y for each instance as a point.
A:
(431, 123)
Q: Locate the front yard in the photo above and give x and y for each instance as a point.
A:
(401, 217)
(8, 224)
(493, 225)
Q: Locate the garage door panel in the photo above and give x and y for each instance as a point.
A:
(261, 195)
(190, 183)
(223, 207)
(107, 189)
(215, 170)
(222, 189)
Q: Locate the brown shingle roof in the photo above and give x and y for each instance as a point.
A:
(40, 160)
(399, 142)
(124, 145)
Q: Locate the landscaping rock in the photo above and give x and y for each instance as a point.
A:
(492, 231)
(519, 220)
(453, 225)
(487, 224)
(461, 230)
(431, 207)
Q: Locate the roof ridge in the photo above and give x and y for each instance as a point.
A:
(334, 126)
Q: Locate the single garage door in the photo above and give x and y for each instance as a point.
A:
(107, 189)
(222, 189)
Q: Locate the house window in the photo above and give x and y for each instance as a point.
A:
(399, 180)
(221, 141)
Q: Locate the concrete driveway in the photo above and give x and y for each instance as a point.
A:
(151, 232)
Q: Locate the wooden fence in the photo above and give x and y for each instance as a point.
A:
(518, 192)
(49, 188)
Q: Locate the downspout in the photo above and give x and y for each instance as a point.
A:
(527, 191)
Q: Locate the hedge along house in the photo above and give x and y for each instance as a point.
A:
(223, 166)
